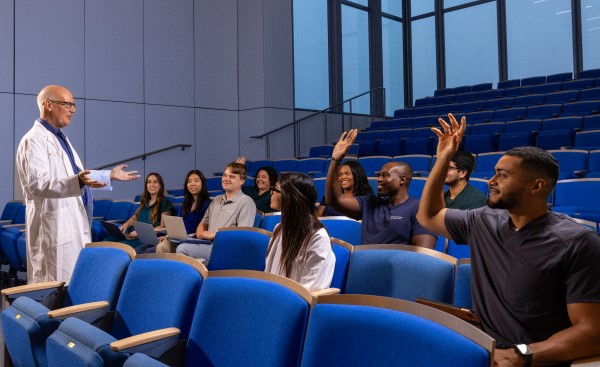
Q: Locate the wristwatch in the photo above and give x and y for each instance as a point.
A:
(526, 353)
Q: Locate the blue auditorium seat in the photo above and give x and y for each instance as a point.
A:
(518, 91)
(343, 228)
(510, 140)
(544, 111)
(415, 189)
(479, 117)
(563, 96)
(509, 114)
(522, 126)
(492, 94)
(285, 165)
(512, 83)
(239, 248)
(587, 139)
(462, 89)
(459, 251)
(311, 165)
(462, 285)
(555, 139)
(422, 111)
(529, 100)
(319, 151)
(10, 211)
(481, 87)
(375, 135)
(342, 251)
(373, 164)
(467, 97)
(380, 125)
(391, 147)
(399, 134)
(473, 106)
(442, 92)
(418, 162)
(446, 109)
(594, 164)
(418, 146)
(500, 103)
(591, 122)
(487, 128)
(578, 84)
(533, 80)
(560, 77)
(486, 162)
(254, 166)
(590, 94)
(578, 198)
(422, 132)
(574, 123)
(583, 108)
(590, 73)
(547, 88)
(481, 143)
(573, 163)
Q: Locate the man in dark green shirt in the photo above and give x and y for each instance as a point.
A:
(462, 195)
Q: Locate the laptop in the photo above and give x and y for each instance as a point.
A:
(177, 233)
(146, 233)
(113, 230)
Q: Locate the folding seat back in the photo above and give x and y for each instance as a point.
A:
(547, 88)
(424, 121)
(285, 165)
(487, 128)
(509, 114)
(591, 122)
(320, 186)
(442, 92)
(418, 146)
(367, 148)
(590, 94)
(356, 330)
(169, 283)
(594, 161)
(8, 244)
(391, 147)
(480, 184)
(444, 109)
(481, 143)
(572, 163)
(486, 162)
(462, 285)
(402, 112)
(590, 73)
(562, 97)
(533, 80)
(239, 248)
(518, 91)
(511, 83)
(479, 117)
(481, 87)
(581, 108)
(425, 101)
(401, 123)
(555, 139)
(415, 189)
(10, 210)
(310, 165)
(500, 103)
(579, 195)
(343, 228)
(320, 151)
(380, 125)
(508, 140)
(270, 220)
(458, 250)
(401, 271)
(544, 111)
(375, 135)
(101, 207)
(373, 164)
(473, 106)
(492, 94)
(176, 192)
(578, 84)
(422, 111)
(373, 183)
(467, 97)
(254, 166)
(119, 211)
(418, 162)
(529, 100)
(98, 276)
(461, 89)
(343, 251)
(587, 139)
(399, 134)
(523, 126)
(422, 132)
(572, 123)
(560, 77)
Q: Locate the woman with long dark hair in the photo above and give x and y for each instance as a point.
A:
(354, 182)
(301, 247)
(153, 204)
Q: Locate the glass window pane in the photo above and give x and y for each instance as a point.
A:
(451, 3)
(418, 7)
(590, 32)
(355, 58)
(360, 2)
(471, 45)
(393, 65)
(311, 58)
(423, 58)
(539, 37)
(393, 7)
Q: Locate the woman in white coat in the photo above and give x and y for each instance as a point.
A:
(53, 183)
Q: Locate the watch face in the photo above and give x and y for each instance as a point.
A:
(523, 349)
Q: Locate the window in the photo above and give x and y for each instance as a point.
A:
(355, 58)
(423, 58)
(590, 33)
(393, 65)
(419, 7)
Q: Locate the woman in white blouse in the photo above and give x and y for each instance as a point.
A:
(301, 247)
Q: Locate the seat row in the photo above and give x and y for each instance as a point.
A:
(222, 318)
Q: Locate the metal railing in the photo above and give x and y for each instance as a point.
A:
(143, 156)
(296, 122)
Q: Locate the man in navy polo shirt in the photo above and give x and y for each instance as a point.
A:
(389, 217)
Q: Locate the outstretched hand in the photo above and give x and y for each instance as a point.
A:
(118, 173)
(452, 135)
(343, 145)
(86, 181)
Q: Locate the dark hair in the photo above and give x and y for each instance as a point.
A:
(464, 161)
(537, 161)
(271, 172)
(361, 182)
(298, 219)
(238, 169)
(146, 198)
(188, 198)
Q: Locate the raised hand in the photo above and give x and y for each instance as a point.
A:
(343, 145)
(452, 135)
(118, 173)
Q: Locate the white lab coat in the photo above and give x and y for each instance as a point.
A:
(57, 222)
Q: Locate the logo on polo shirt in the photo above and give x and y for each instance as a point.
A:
(395, 217)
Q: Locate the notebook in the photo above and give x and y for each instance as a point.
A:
(146, 233)
(113, 230)
(177, 233)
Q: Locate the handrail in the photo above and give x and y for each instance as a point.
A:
(143, 156)
(325, 111)
(318, 112)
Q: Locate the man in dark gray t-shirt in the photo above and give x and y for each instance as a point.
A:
(535, 273)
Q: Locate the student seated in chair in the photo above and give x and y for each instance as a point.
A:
(301, 247)
(461, 194)
(353, 181)
(233, 208)
(534, 272)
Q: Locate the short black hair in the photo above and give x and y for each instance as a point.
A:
(464, 161)
(537, 161)
(271, 172)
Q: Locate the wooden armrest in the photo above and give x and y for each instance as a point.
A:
(6, 221)
(588, 362)
(39, 292)
(88, 312)
(325, 292)
(153, 343)
(14, 225)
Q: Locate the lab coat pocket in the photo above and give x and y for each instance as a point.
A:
(60, 239)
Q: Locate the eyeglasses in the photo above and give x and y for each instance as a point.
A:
(453, 168)
(273, 188)
(67, 105)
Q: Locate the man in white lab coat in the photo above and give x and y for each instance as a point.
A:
(56, 190)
